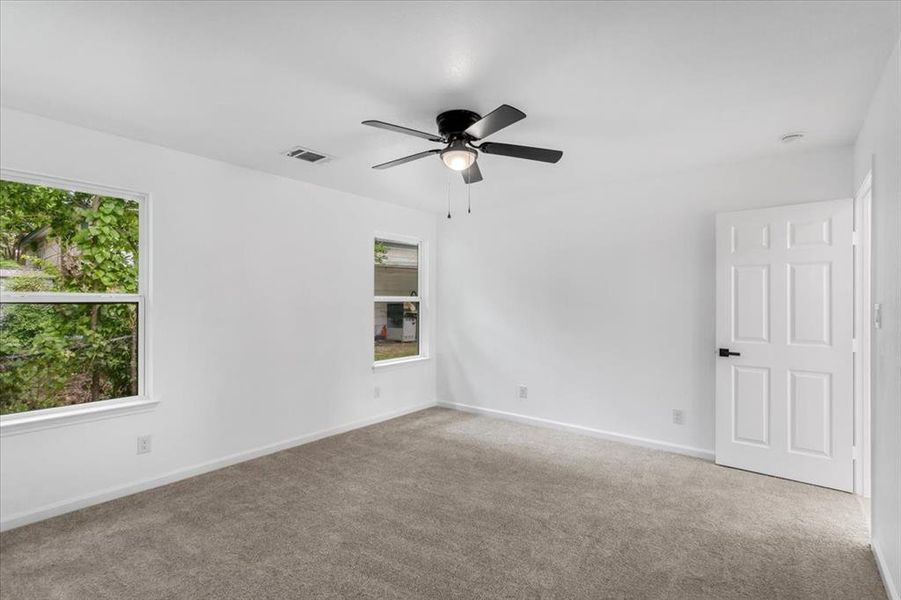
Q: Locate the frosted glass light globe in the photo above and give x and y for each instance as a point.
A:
(458, 157)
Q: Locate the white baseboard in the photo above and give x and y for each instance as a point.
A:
(598, 433)
(891, 589)
(72, 504)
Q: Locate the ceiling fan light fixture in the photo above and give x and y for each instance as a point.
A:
(458, 130)
(457, 156)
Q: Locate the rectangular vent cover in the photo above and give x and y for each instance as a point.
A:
(307, 155)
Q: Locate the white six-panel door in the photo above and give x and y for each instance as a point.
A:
(784, 302)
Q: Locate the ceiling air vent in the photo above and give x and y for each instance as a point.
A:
(307, 155)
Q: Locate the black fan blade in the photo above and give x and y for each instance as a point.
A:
(527, 152)
(407, 159)
(473, 174)
(502, 116)
(432, 137)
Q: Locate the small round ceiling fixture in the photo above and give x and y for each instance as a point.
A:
(457, 156)
(791, 138)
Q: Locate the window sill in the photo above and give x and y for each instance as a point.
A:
(396, 362)
(49, 418)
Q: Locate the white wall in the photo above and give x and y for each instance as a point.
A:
(253, 344)
(879, 147)
(602, 303)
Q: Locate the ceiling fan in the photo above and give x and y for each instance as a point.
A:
(459, 130)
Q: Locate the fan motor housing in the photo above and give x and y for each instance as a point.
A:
(452, 123)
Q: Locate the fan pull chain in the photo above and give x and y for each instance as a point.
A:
(448, 196)
(469, 198)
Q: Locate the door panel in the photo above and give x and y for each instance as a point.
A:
(784, 303)
(811, 233)
(750, 303)
(809, 294)
(809, 401)
(750, 237)
(751, 405)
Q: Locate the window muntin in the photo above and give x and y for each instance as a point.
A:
(398, 305)
(71, 303)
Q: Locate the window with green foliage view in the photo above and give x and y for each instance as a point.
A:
(70, 298)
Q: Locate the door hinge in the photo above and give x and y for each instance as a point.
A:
(855, 453)
(855, 346)
(855, 238)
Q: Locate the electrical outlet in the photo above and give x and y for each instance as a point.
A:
(377, 392)
(144, 444)
(678, 416)
(523, 392)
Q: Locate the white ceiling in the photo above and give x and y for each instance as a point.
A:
(624, 89)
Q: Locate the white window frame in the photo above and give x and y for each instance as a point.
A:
(422, 299)
(44, 418)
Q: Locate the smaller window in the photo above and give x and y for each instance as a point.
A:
(398, 304)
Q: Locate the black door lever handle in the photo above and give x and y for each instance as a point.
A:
(725, 353)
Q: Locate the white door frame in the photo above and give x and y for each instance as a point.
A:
(862, 335)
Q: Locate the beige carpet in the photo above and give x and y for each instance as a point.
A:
(442, 504)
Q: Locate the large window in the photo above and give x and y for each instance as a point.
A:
(398, 302)
(71, 295)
